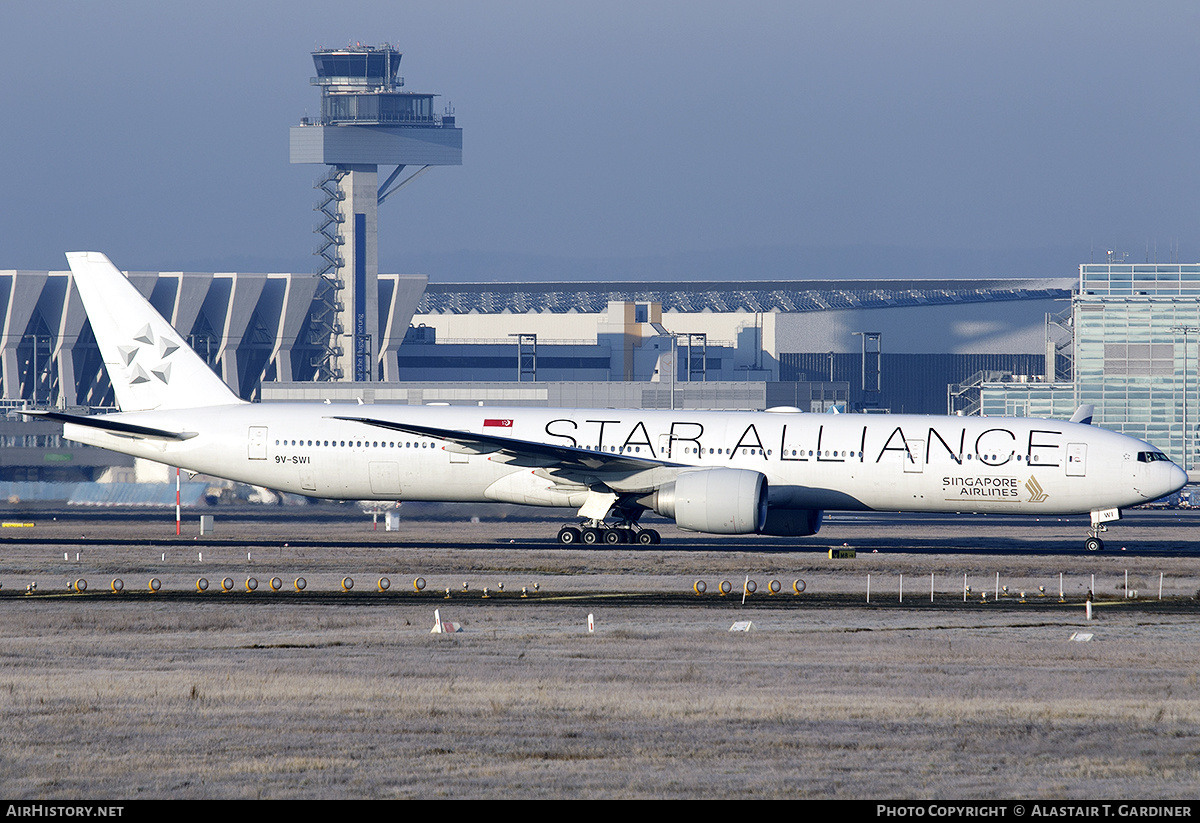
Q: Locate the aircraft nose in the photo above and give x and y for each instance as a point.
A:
(1174, 479)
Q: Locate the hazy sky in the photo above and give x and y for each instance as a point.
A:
(603, 132)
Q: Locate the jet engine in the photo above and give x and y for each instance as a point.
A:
(715, 501)
(792, 522)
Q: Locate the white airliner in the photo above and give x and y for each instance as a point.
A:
(715, 472)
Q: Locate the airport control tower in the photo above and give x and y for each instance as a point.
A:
(366, 121)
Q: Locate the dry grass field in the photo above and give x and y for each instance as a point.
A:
(276, 696)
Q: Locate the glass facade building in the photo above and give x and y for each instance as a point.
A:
(1136, 344)
(1033, 399)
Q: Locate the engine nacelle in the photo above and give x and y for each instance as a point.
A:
(792, 522)
(715, 501)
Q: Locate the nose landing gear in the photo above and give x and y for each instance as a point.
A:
(1099, 518)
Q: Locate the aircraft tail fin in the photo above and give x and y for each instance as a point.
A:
(149, 363)
(1084, 414)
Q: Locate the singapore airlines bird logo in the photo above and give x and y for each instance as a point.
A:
(158, 350)
(1036, 493)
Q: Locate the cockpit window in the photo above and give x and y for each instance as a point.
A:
(1150, 457)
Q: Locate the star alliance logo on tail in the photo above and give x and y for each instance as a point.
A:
(165, 348)
(1036, 494)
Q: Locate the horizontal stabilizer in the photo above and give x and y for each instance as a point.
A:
(114, 426)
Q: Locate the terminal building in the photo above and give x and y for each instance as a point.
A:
(737, 345)
(1123, 337)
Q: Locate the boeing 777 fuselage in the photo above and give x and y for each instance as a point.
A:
(715, 472)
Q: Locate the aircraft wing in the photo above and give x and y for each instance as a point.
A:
(567, 459)
(102, 422)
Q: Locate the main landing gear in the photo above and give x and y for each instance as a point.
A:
(592, 533)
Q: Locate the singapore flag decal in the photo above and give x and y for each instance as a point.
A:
(502, 423)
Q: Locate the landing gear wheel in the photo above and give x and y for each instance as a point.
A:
(648, 537)
(1093, 544)
(614, 536)
(569, 535)
(592, 536)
